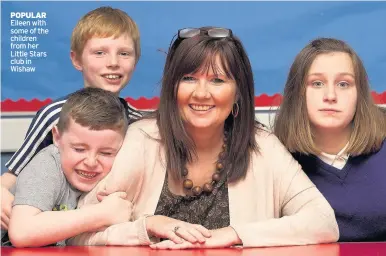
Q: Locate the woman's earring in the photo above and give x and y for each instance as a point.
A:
(235, 110)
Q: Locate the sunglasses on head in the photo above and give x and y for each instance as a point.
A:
(212, 32)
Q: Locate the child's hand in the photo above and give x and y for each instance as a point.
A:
(6, 207)
(115, 206)
(103, 194)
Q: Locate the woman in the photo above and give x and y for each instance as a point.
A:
(203, 173)
(336, 132)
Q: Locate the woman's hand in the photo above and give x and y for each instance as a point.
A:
(176, 230)
(221, 238)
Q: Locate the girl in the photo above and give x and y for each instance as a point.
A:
(329, 122)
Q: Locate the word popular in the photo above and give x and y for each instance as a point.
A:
(29, 15)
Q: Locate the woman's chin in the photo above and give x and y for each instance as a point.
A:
(201, 125)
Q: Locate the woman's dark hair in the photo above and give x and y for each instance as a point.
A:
(199, 53)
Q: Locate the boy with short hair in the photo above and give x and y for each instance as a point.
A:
(105, 47)
(90, 132)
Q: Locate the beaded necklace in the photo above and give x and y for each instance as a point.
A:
(207, 187)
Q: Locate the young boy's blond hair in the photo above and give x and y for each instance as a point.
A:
(104, 22)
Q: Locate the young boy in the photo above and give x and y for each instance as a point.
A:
(90, 131)
(105, 47)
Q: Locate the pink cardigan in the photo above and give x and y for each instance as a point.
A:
(275, 205)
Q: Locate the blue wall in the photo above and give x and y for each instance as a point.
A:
(4, 158)
(273, 33)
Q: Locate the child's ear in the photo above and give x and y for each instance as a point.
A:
(75, 61)
(56, 136)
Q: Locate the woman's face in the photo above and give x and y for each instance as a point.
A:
(205, 99)
(331, 92)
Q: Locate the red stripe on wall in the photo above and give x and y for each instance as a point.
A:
(263, 100)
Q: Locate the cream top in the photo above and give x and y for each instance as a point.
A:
(275, 205)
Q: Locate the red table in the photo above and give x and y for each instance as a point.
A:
(341, 249)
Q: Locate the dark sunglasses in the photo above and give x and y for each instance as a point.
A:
(212, 32)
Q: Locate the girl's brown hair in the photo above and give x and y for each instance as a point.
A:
(292, 125)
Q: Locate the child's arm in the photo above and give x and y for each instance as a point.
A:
(30, 227)
(42, 186)
(37, 137)
(7, 181)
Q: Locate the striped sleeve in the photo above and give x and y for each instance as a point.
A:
(38, 136)
(135, 114)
